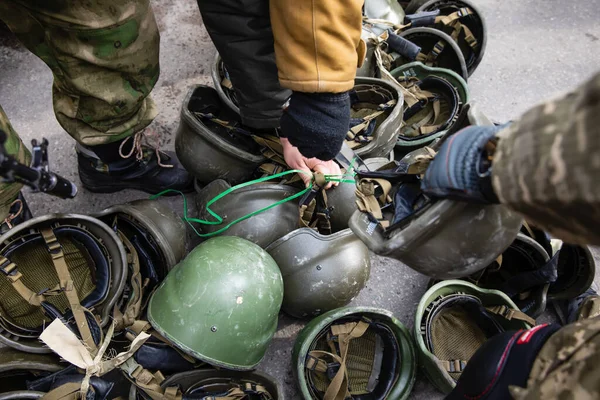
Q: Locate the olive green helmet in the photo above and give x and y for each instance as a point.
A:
(320, 272)
(17, 368)
(206, 383)
(443, 239)
(375, 117)
(210, 143)
(468, 31)
(263, 228)
(157, 233)
(341, 199)
(453, 319)
(221, 303)
(372, 347)
(32, 298)
(437, 50)
(428, 85)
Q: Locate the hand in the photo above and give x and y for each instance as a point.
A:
(296, 160)
(460, 169)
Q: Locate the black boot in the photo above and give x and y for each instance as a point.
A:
(19, 212)
(104, 169)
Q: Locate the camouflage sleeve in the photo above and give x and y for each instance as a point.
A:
(547, 165)
(104, 57)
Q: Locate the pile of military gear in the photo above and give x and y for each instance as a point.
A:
(130, 314)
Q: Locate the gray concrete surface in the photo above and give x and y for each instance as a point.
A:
(536, 49)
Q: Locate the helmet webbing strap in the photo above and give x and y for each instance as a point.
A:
(371, 193)
(511, 313)
(453, 21)
(67, 391)
(134, 304)
(353, 138)
(9, 269)
(68, 287)
(342, 335)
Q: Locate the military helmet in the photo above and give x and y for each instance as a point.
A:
(387, 10)
(320, 272)
(17, 368)
(156, 232)
(453, 319)
(443, 239)
(341, 199)
(221, 303)
(464, 23)
(434, 101)
(206, 383)
(263, 228)
(34, 255)
(523, 272)
(576, 272)
(223, 85)
(437, 49)
(370, 352)
(211, 143)
(375, 116)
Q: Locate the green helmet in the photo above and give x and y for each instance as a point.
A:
(453, 319)
(468, 29)
(32, 298)
(157, 233)
(320, 272)
(375, 117)
(443, 239)
(429, 85)
(223, 84)
(17, 368)
(205, 383)
(211, 144)
(341, 199)
(437, 49)
(262, 229)
(221, 303)
(373, 348)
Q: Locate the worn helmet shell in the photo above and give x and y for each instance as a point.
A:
(87, 237)
(341, 199)
(216, 382)
(165, 231)
(373, 94)
(398, 365)
(21, 395)
(320, 272)
(457, 85)
(388, 10)
(16, 368)
(475, 22)
(262, 229)
(432, 366)
(447, 239)
(427, 39)
(221, 303)
(209, 150)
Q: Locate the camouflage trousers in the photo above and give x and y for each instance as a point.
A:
(104, 56)
(567, 367)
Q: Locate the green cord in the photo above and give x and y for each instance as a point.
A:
(219, 219)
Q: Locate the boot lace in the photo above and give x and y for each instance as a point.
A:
(151, 139)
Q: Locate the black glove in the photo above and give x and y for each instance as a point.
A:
(460, 170)
(317, 123)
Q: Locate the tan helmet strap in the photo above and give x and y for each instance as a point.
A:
(510, 314)
(68, 391)
(68, 287)
(9, 269)
(134, 305)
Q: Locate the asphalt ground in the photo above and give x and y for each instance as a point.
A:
(536, 49)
